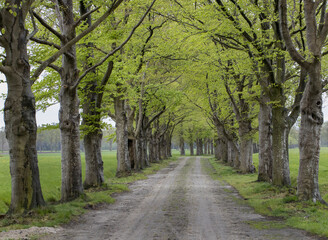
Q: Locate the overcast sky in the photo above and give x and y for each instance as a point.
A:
(51, 115)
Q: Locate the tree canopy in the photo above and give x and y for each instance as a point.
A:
(223, 75)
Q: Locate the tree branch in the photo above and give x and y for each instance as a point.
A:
(155, 117)
(45, 42)
(295, 109)
(324, 31)
(233, 101)
(103, 83)
(47, 26)
(67, 46)
(141, 110)
(35, 27)
(112, 116)
(295, 55)
(4, 69)
(84, 16)
(233, 20)
(53, 66)
(245, 17)
(116, 49)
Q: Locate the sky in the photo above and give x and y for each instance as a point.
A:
(51, 114)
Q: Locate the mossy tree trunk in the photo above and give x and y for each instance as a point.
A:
(19, 110)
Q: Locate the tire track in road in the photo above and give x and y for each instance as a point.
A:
(179, 202)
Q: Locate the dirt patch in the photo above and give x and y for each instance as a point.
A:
(29, 233)
(179, 202)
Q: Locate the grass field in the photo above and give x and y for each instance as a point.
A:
(50, 175)
(281, 202)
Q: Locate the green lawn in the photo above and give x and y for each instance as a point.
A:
(282, 202)
(50, 175)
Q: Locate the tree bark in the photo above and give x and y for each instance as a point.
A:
(93, 91)
(217, 148)
(311, 104)
(142, 148)
(309, 138)
(111, 145)
(233, 154)
(182, 148)
(265, 140)
(94, 170)
(69, 122)
(191, 147)
(224, 150)
(201, 146)
(280, 163)
(69, 116)
(212, 147)
(19, 111)
(169, 143)
(246, 147)
(205, 146)
(123, 161)
(242, 112)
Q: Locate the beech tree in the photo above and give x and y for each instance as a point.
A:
(311, 104)
(69, 100)
(19, 111)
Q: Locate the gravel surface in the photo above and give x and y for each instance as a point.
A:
(179, 202)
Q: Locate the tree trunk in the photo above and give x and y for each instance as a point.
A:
(182, 148)
(163, 147)
(280, 163)
(191, 147)
(94, 170)
(233, 155)
(206, 147)
(69, 116)
(19, 113)
(197, 147)
(151, 151)
(224, 150)
(139, 152)
(123, 161)
(212, 147)
(217, 148)
(111, 145)
(309, 138)
(132, 148)
(311, 103)
(201, 147)
(92, 101)
(158, 149)
(246, 147)
(169, 143)
(142, 149)
(265, 142)
(69, 122)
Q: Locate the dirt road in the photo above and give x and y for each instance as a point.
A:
(179, 202)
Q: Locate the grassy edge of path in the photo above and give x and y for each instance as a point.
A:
(55, 213)
(279, 203)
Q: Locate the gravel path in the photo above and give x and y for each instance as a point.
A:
(179, 202)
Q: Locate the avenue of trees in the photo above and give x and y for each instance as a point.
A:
(216, 76)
